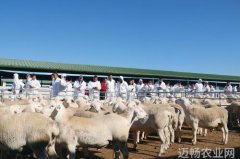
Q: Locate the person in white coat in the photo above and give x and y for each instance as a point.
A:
(140, 89)
(212, 91)
(26, 86)
(55, 85)
(177, 89)
(206, 88)
(110, 88)
(34, 85)
(235, 89)
(94, 88)
(65, 86)
(122, 88)
(131, 90)
(198, 87)
(228, 89)
(149, 88)
(160, 86)
(79, 87)
(17, 85)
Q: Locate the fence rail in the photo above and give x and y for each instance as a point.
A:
(47, 92)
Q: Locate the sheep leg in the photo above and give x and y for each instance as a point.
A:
(172, 134)
(225, 129)
(116, 154)
(199, 131)
(194, 129)
(124, 149)
(138, 136)
(72, 151)
(178, 134)
(204, 132)
(135, 139)
(167, 136)
(163, 141)
(51, 150)
(144, 135)
(40, 154)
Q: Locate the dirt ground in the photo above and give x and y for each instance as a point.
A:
(149, 149)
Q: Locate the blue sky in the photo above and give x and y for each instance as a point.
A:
(193, 36)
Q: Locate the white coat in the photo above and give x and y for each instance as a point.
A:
(199, 87)
(111, 88)
(140, 90)
(17, 85)
(207, 88)
(131, 92)
(65, 88)
(160, 87)
(55, 87)
(123, 90)
(34, 85)
(79, 88)
(228, 89)
(94, 93)
(149, 89)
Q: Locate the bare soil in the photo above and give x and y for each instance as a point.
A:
(149, 149)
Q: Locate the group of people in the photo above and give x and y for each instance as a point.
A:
(31, 85)
(109, 88)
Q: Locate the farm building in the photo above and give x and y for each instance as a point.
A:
(43, 69)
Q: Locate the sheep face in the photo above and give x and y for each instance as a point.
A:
(119, 108)
(182, 102)
(141, 115)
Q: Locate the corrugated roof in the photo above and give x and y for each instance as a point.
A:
(29, 65)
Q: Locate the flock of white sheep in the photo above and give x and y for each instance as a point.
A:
(57, 128)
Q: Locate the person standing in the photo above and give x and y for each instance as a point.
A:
(111, 86)
(27, 86)
(228, 88)
(55, 85)
(131, 90)
(212, 90)
(140, 89)
(149, 88)
(122, 88)
(206, 87)
(17, 85)
(79, 87)
(177, 89)
(65, 86)
(160, 86)
(94, 88)
(198, 87)
(34, 85)
(235, 89)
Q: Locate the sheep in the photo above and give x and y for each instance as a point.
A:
(92, 132)
(22, 101)
(205, 118)
(68, 102)
(13, 109)
(160, 120)
(20, 131)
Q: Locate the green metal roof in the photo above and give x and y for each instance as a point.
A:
(29, 65)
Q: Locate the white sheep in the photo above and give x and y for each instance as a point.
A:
(205, 118)
(160, 120)
(27, 130)
(92, 132)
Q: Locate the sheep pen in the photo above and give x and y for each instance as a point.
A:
(149, 147)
